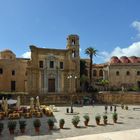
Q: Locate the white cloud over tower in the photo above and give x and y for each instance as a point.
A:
(26, 55)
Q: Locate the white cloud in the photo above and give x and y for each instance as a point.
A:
(26, 55)
(132, 50)
(136, 25)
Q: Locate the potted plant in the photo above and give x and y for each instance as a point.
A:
(50, 123)
(105, 119)
(98, 118)
(12, 126)
(1, 127)
(61, 123)
(22, 125)
(115, 117)
(37, 125)
(86, 117)
(75, 120)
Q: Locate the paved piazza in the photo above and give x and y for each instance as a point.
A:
(127, 120)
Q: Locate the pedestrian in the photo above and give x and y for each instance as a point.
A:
(111, 108)
(106, 108)
(115, 108)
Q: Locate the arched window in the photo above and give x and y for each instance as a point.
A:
(94, 73)
(73, 42)
(100, 73)
(73, 53)
(117, 73)
(13, 72)
(127, 73)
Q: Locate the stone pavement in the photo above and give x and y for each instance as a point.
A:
(120, 135)
(127, 120)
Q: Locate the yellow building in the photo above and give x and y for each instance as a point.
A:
(13, 74)
(54, 70)
(123, 72)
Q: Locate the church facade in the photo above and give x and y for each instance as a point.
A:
(54, 70)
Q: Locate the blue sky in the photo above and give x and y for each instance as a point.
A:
(110, 26)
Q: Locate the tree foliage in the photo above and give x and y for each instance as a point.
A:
(91, 52)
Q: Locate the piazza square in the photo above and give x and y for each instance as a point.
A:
(127, 120)
(69, 70)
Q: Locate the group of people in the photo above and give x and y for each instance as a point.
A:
(111, 108)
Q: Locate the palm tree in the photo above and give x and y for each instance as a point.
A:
(90, 52)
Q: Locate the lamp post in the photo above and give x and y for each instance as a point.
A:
(72, 88)
(69, 78)
(72, 78)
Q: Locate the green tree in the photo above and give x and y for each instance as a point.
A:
(82, 67)
(104, 83)
(90, 52)
(83, 80)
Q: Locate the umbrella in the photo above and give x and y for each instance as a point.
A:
(32, 103)
(18, 102)
(37, 102)
(11, 101)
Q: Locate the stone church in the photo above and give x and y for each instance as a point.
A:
(54, 70)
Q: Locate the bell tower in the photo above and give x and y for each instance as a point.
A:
(74, 58)
(73, 45)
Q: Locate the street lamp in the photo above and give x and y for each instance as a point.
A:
(72, 86)
(72, 78)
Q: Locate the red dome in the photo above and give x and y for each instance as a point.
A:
(114, 59)
(124, 59)
(133, 59)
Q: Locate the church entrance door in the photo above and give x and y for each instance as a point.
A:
(51, 85)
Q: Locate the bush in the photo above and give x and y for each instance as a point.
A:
(62, 121)
(75, 120)
(98, 117)
(115, 115)
(105, 117)
(37, 123)
(1, 125)
(50, 122)
(22, 124)
(86, 117)
(12, 124)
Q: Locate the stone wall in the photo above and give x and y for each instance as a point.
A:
(56, 99)
(118, 98)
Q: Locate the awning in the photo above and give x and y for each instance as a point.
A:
(10, 101)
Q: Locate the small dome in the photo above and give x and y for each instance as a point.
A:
(7, 51)
(124, 59)
(114, 59)
(7, 54)
(133, 59)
